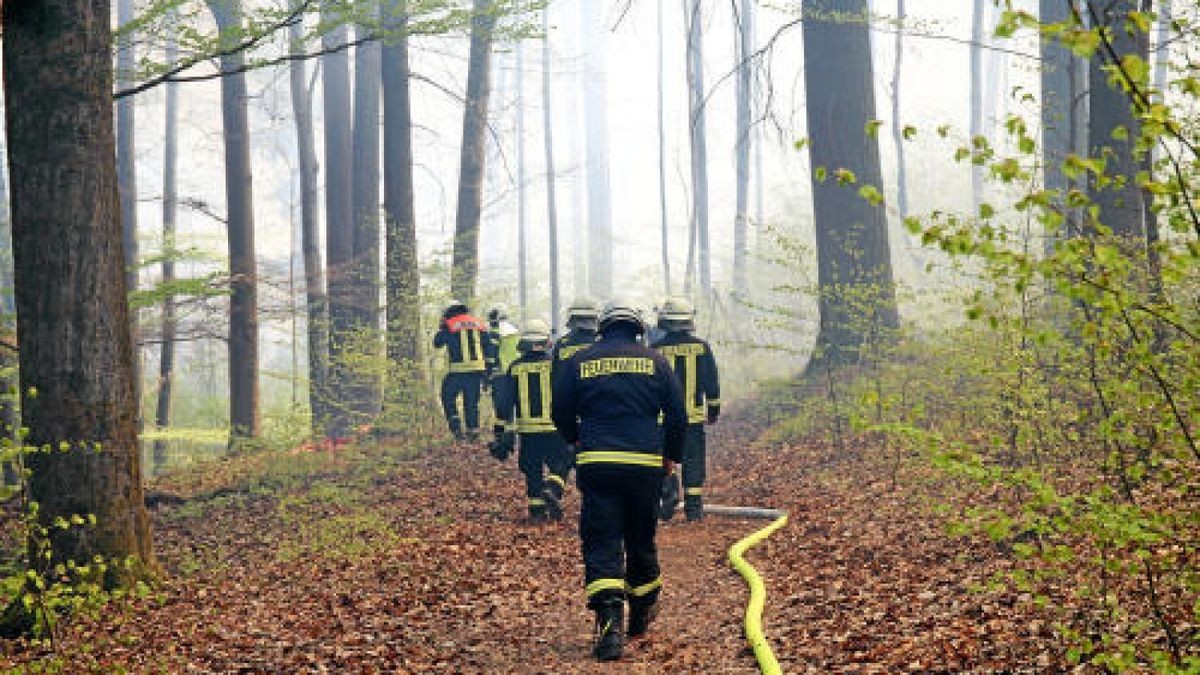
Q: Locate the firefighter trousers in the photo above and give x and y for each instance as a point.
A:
(543, 459)
(468, 386)
(617, 525)
(694, 472)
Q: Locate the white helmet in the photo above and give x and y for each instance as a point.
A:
(618, 311)
(535, 336)
(582, 314)
(677, 314)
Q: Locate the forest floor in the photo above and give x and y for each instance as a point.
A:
(376, 559)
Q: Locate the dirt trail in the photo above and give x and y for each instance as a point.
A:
(427, 568)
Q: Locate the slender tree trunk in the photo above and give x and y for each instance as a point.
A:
(1121, 205)
(522, 253)
(897, 125)
(741, 216)
(696, 123)
(595, 116)
(1057, 93)
(1158, 81)
(339, 217)
(575, 131)
(127, 179)
(854, 272)
(367, 381)
(465, 266)
(662, 159)
(8, 325)
(76, 355)
(166, 357)
(403, 272)
(551, 195)
(244, 419)
(316, 319)
(976, 128)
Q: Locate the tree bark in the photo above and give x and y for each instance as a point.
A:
(403, 271)
(339, 216)
(317, 321)
(662, 160)
(127, 178)
(244, 418)
(897, 125)
(854, 269)
(76, 352)
(1057, 93)
(367, 381)
(742, 150)
(696, 124)
(595, 115)
(976, 126)
(465, 264)
(522, 253)
(8, 325)
(1110, 109)
(166, 354)
(551, 194)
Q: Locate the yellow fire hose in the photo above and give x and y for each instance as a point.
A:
(758, 593)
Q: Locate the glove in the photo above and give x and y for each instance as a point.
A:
(502, 447)
(668, 496)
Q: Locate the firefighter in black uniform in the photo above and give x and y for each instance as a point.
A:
(522, 400)
(468, 351)
(581, 330)
(607, 402)
(696, 367)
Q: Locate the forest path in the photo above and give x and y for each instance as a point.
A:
(422, 564)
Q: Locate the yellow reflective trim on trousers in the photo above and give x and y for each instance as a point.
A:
(694, 491)
(537, 501)
(605, 585)
(618, 457)
(645, 589)
(556, 479)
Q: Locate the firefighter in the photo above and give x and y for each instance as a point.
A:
(467, 344)
(696, 367)
(581, 330)
(504, 338)
(607, 402)
(523, 401)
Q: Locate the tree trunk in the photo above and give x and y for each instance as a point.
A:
(741, 216)
(595, 116)
(317, 321)
(339, 216)
(897, 125)
(465, 265)
(244, 419)
(166, 354)
(662, 160)
(127, 179)
(366, 381)
(854, 270)
(522, 253)
(551, 196)
(1110, 108)
(696, 123)
(976, 128)
(8, 325)
(76, 355)
(403, 271)
(1057, 93)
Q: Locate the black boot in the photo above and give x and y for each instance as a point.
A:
(641, 615)
(693, 506)
(610, 631)
(552, 493)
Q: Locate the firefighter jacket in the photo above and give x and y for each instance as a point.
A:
(523, 394)
(608, 398)
(696, 367)
(467, 343)
(573, 342)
